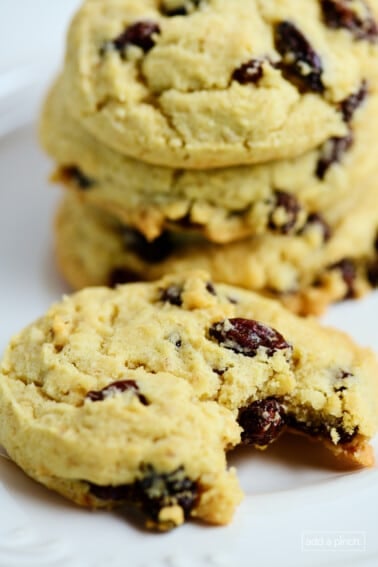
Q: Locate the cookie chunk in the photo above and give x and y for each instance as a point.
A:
(133, 395)
(223, 204)
(215, 83)
(306, 271)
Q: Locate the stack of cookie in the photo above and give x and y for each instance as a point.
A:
(231, 136)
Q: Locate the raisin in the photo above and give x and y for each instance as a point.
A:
(250, 72)
(331, 153)
(152, 252)
(172, 295)
(161, 490)
(292, 208)
(117, 388)
(245, 336)
(211, 289)
(349, 106)
(121, 276)
(153, 492)
(317, 220)
(339, 14)
(323, 430)
(345, 436)
(140, 34)
(347, 269)
(300, 64)
(184, 9)
(73, 173)
(262, 422)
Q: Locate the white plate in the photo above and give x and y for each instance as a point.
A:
(300, 509)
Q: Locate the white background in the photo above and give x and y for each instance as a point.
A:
(32, 30)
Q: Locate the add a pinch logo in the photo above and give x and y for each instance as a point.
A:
(334, 540)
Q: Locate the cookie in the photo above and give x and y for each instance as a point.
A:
(133, 395)
(102, 429)
(214, 83)
(223, 204)
(307, 272)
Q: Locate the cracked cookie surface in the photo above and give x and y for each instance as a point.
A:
(223, 204)
(133, 395)
(214, 83)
